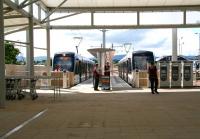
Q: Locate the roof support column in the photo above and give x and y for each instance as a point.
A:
(30, 49)
(138, 18)
(174, 44)
(48, 47)
(92, 18)
(2, 59)
(103, 53)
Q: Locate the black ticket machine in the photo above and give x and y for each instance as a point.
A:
(164, 74)
(175, 70)
(187, 73)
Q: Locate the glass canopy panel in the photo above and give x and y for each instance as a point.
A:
(13, 1)
(79, 19)
(20, 1)
(43, 15)
(38, 34)
(193, 17)
(119, 3)
(35, 9)
(161, 18)
(115, 18)
(26, 9)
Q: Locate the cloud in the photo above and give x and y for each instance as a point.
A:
(124, 36)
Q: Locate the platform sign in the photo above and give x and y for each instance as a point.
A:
(105, 82)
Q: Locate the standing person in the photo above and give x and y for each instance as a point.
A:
(107, 69)
(96, 76)
(58, 68)
(152, 70)
(107, 73)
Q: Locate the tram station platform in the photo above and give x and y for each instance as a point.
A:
(121, 113)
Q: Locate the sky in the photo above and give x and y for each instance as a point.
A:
(157, 40)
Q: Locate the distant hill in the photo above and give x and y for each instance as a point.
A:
(192, 57)
(20, 58)
(182, 57)
(38, 58)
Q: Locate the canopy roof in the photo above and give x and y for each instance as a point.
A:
(16, 14)
(120, 3)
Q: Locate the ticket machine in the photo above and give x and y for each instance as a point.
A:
(163, 67)
(187, 74)
(175, 74)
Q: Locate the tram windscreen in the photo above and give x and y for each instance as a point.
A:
(140, 62)
(65, 63)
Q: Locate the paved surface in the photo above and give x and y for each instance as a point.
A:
(81, 113)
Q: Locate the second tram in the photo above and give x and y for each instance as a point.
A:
(137, 61)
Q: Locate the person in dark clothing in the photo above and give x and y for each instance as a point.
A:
(96, 76)
(153, 78)
(107, 75)
(107, 69)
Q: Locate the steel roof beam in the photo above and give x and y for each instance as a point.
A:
(21, 4)
(62, 17)
(17, 30)
(53, 10)
(15, 25)
(117, 9)
(21, 11)
(7, 10)
(125, 26)
(17, 42)
(21, 29)
(13, 16)
(26, 4)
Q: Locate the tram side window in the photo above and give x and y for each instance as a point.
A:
(129, 65)
(84, 68)
(197, 66)
(77, 67)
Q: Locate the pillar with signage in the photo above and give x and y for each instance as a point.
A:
(187, 74)
(175, 76)
(164, 81)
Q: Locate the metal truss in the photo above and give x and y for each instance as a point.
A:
(92, 10)
(137, 10)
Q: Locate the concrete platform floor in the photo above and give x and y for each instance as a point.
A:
(117, 114)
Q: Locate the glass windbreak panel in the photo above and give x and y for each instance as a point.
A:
(21, 57)
(26, 9)
(175, 73)
(193, 17)
(20, 1)
(115, 18)
(43, 15)
(65, 63)
(140, 62)
(157, 18)
(163, 73)
(79, 19)
(187, 73)
(35, 10)
(38, 34)
(40, 57)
